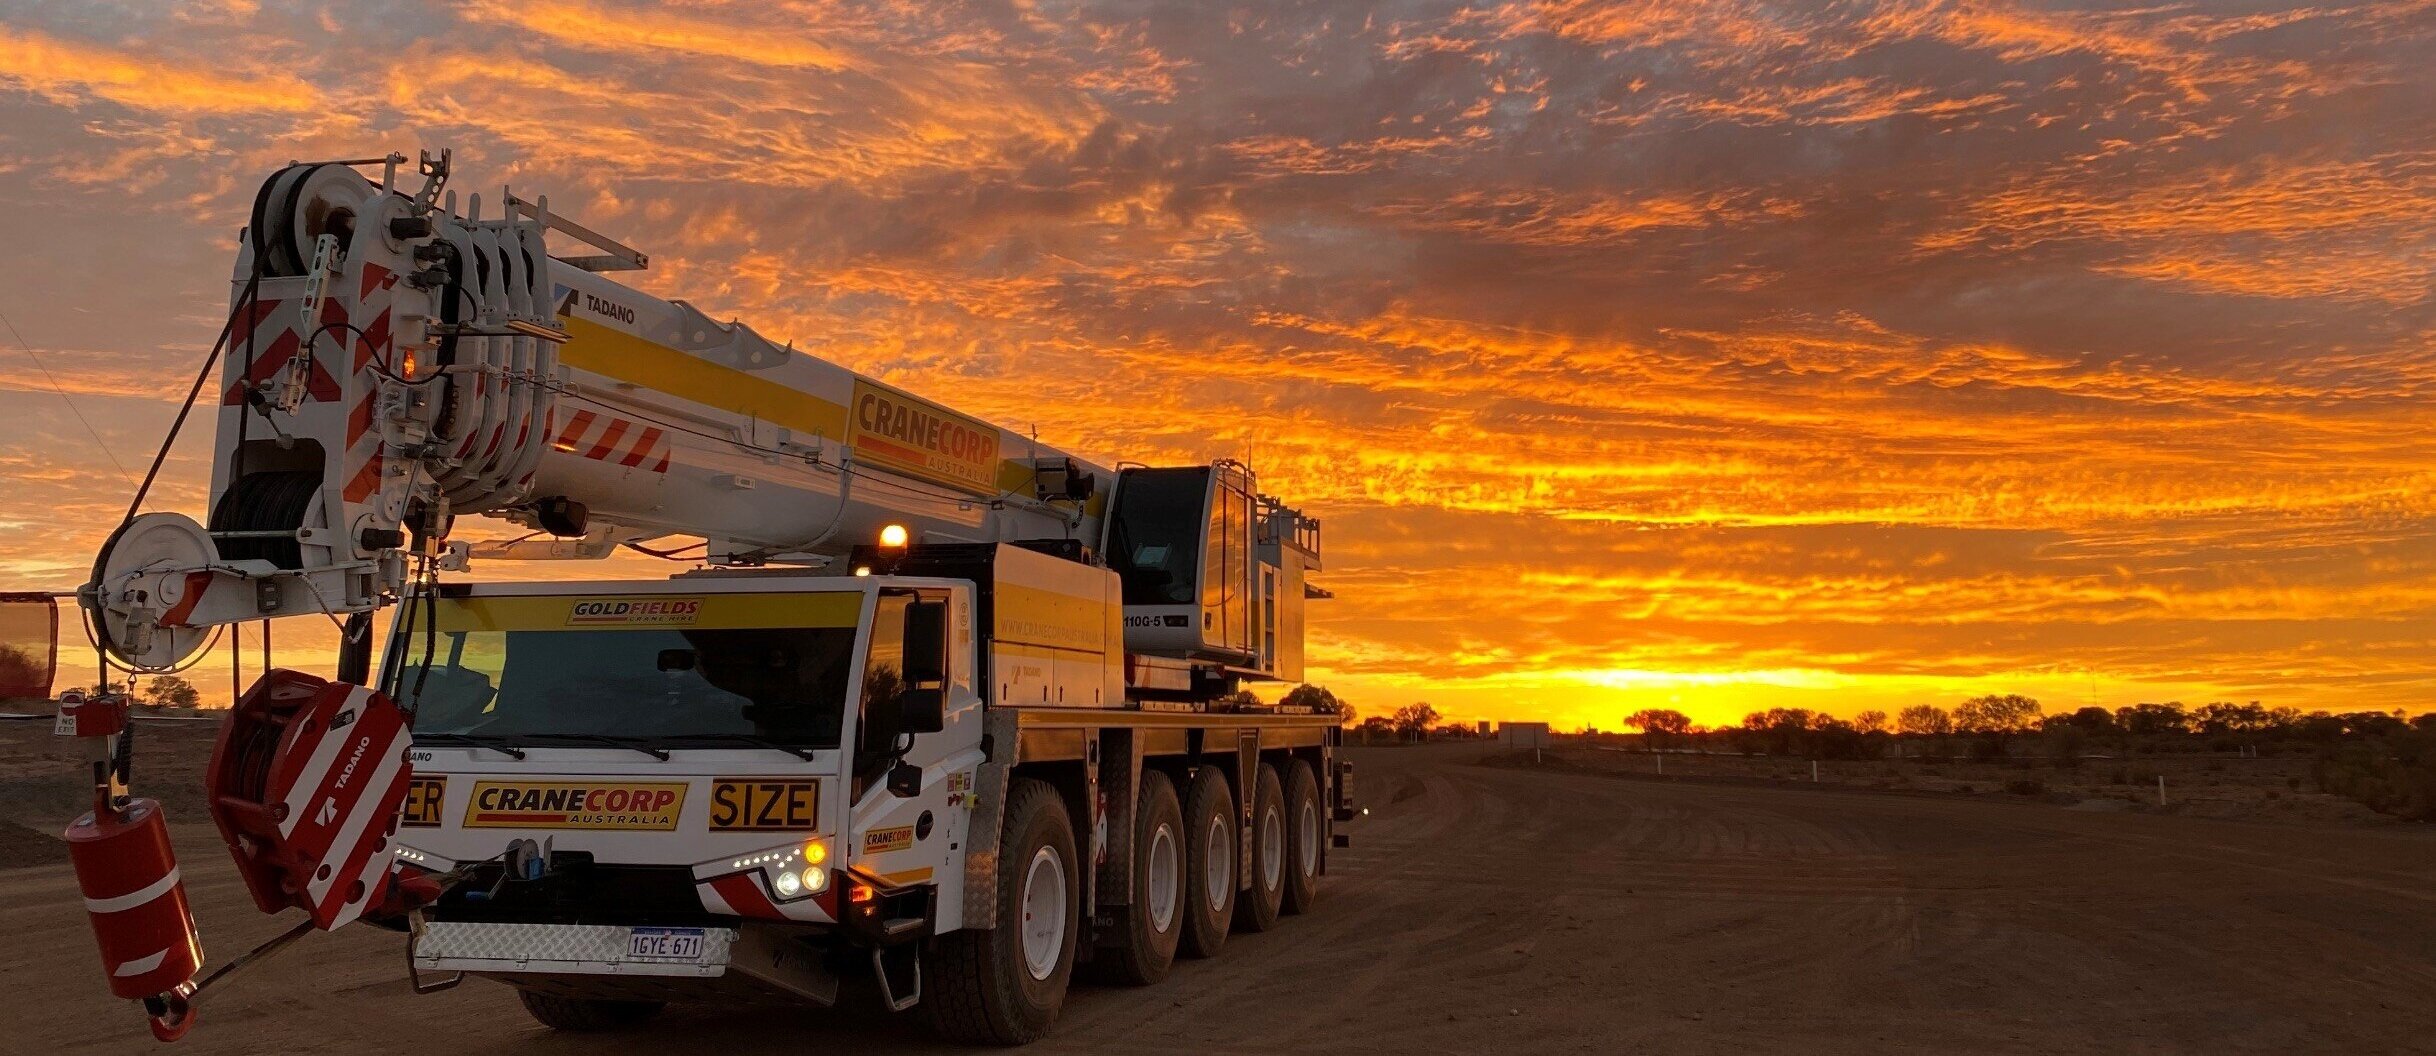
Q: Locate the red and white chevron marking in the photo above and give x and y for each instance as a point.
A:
(741, 895)
(268, 332)
(609, 438)
(362, 468)
(340, 800)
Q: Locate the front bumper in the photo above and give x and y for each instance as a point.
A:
(753, 961)
(558, 949)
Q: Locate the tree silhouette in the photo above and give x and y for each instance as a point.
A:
(1997, 714)
(1924, 720)
(2227, 717)
(1317, 698)
(1659, 726)
(22, 676)
(1414, 720)
(2148, 720)
(1993, 720)
(170, 691)
(2091, 720)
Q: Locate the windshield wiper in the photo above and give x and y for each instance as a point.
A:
(745, 739)
(470, 741)
(602, 739)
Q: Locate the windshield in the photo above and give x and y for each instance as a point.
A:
(1155, 532)
(641, 669)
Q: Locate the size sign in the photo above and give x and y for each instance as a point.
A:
(764, 804)
(422, 807)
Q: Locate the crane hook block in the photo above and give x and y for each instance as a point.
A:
(306, 786)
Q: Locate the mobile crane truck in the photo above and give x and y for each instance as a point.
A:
(941, 705)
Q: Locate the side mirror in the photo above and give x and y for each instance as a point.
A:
(921, 710)
(925, 642)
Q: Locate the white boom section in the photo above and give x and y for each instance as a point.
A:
(670, 422)
(396, 360)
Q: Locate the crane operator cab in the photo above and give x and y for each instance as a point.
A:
(1212, 569)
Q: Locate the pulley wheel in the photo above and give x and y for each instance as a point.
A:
(143, 576)
(301, 203)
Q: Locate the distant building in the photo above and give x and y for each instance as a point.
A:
(1523, 734)
(1484, 727)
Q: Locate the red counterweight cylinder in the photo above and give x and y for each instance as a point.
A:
(137, 902)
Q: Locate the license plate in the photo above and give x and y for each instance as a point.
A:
(664, 944)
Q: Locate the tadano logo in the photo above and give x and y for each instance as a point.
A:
(568, 297)
(620, 312)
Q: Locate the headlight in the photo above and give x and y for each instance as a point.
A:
(790, 872)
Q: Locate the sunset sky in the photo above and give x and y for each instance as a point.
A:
(1707, 355)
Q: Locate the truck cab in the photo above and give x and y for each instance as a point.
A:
(653, 771)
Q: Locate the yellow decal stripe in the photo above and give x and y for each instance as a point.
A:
(651, 365)
(557, 612)
(620, 356)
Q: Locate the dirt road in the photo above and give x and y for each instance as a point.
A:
(1505, 911)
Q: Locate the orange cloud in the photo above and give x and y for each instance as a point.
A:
(69, 73)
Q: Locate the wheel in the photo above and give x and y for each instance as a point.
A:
(586, 1014)
(1257, 909)
(1004, 986)
(1305, 837)
(1153, 923)
(1209, 863)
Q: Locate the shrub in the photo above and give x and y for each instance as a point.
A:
(2027, 786)
(2064, 747)
(2392, 775)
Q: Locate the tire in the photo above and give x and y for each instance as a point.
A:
(1005, 985)
(1153, 920)
(1256, 909)
(587, 1015)
(1306, 837)
(1210, 842)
